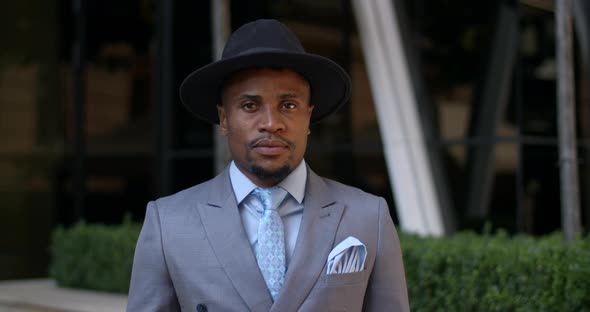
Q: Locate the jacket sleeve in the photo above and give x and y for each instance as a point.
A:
(151, 288)
(387, 289)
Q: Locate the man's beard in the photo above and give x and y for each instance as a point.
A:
(275, 176)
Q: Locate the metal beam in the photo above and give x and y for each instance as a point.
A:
(493, 100)
(429, 120)
(220, 30)
(566, 120)
(417, 202)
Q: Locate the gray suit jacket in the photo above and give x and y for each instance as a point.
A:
(193, 254)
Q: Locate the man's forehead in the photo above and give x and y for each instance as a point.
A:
(293, 90)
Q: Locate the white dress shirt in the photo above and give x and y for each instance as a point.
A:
(290, 211)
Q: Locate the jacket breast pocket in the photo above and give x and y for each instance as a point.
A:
(341, 279)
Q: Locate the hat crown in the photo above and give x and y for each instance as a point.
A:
(260, 35)
(266, 43)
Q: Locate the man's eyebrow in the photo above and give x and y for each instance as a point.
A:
(287, 96)
(250, 97)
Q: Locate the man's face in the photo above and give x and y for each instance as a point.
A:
(265, 116)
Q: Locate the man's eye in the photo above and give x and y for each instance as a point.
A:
(289, 105)
(249, 105)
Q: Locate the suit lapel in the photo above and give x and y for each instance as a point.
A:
(223, 225)
(321, 216)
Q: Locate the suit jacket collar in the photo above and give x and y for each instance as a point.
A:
(223, 225)
(321, 217)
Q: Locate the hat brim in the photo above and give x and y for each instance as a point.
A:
(330, 85)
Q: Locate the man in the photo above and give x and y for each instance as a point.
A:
(267, 234)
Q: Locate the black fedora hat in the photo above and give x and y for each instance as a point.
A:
(266, 43)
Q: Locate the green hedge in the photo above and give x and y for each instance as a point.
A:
(93, 256)
(470, 272)
(465, 272)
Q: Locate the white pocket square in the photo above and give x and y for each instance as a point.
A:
(347, 257)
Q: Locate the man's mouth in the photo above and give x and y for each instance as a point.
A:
(270, 147)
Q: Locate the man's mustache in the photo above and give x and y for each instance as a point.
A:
(274, 140)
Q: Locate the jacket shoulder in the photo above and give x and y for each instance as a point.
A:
(195, 191)
(188, 197)
(351, 194)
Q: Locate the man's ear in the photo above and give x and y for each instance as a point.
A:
(222, 119)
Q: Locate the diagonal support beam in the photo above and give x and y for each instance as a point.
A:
(492, 104)
(410, 171)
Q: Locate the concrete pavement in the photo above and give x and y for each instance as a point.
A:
(43, 295)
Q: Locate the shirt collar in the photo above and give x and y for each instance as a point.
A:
(294, 183)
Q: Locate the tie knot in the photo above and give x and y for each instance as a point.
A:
(270, 197)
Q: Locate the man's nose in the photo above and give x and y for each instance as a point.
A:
(271, 120)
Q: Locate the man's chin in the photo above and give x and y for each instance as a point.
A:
(274, 175)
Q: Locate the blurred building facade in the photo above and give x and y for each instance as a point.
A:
(98, 148)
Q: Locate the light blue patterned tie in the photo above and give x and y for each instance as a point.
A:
(270, 249)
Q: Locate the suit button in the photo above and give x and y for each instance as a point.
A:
(201, 308)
